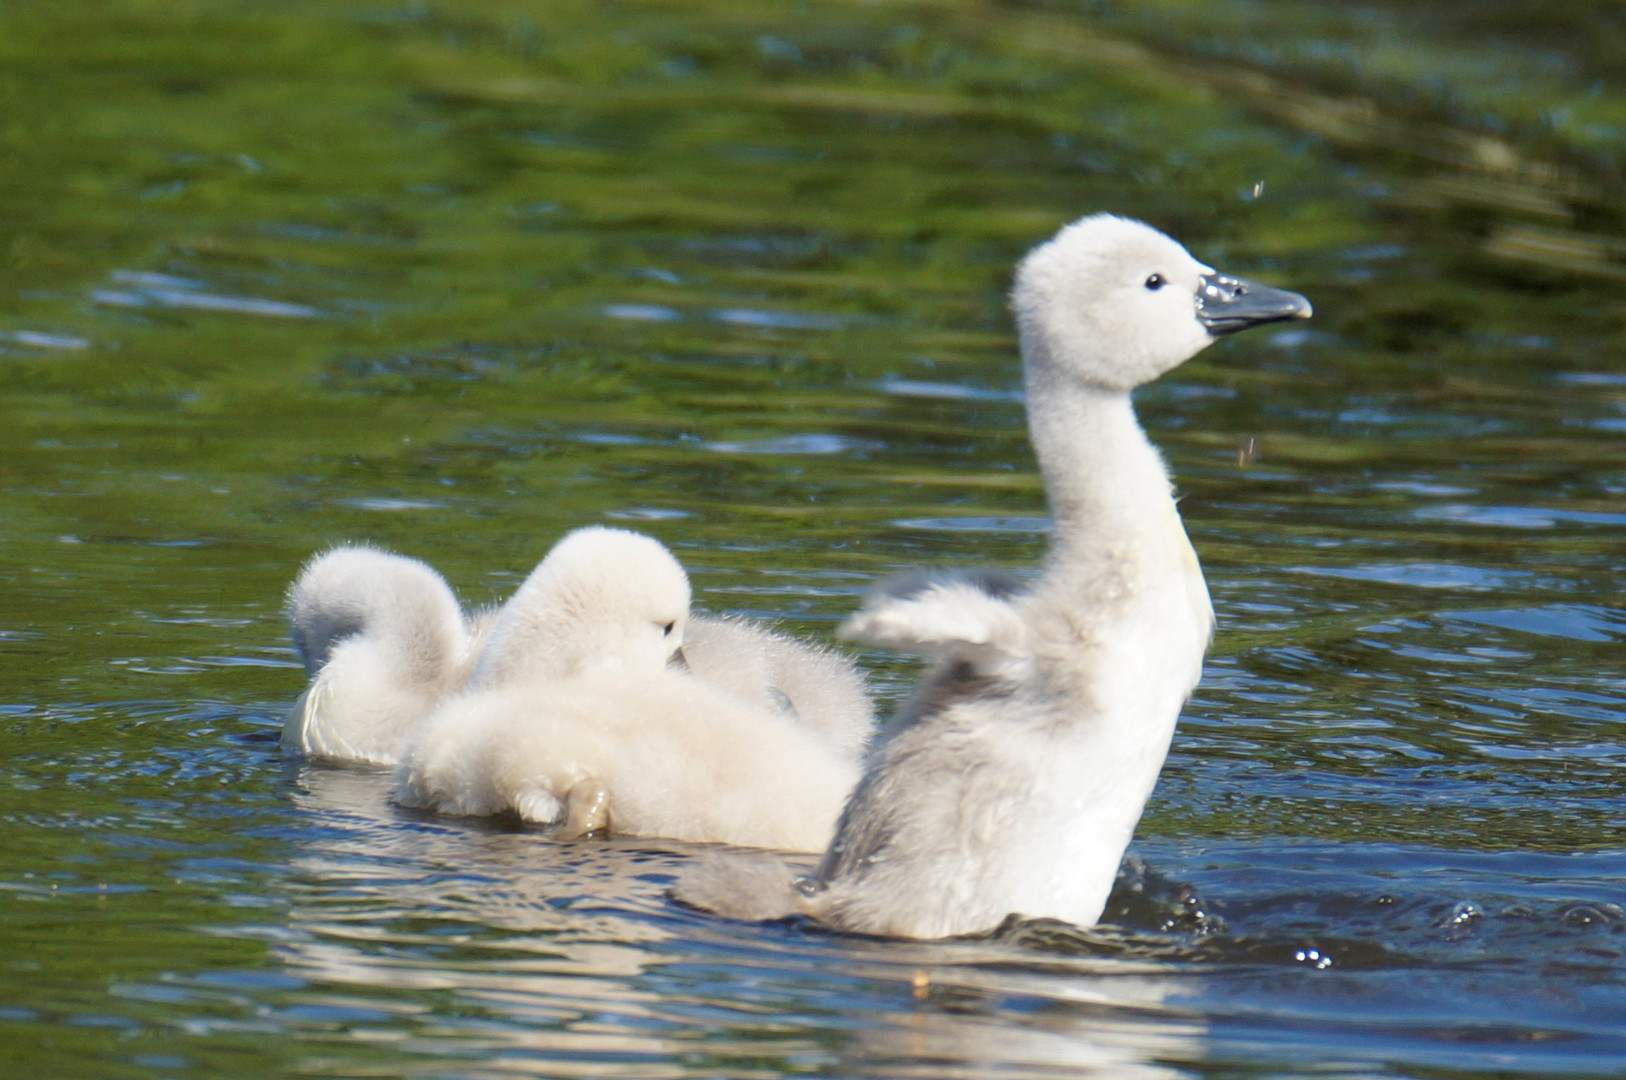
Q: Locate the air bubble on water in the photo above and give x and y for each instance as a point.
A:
(1464, 914)
(1583, 914)
(1313, 957)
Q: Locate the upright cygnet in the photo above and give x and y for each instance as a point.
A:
(382, 639)
(574, 718)
(1011, 780)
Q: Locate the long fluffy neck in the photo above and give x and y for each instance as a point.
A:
(1120, 615)
(1107, 483)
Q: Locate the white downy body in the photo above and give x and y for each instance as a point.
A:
(573, 717)
(383, 640)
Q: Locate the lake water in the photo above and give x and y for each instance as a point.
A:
(455, 277)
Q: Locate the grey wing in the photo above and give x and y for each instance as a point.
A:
(966, 616)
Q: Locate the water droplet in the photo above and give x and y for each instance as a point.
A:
(1314, 957)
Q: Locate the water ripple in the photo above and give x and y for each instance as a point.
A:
(146, 289)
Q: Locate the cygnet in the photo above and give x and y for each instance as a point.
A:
(664, 754)
(383, 640)
(819, 688)
(601, 598)
(574, 718)
(603, 591)
(1012, 778)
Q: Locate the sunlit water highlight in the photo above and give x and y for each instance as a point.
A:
(455, 278)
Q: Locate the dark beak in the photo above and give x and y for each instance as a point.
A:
(1227, 304)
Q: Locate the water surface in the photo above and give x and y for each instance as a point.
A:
(457, 277)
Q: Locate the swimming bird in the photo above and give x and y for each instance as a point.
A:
(382, 639)
(603, 591)
(574, 718)
(602, 598)
(1011, 780)
(662, 754)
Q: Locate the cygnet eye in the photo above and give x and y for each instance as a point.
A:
(1156, 282)
(667, 629)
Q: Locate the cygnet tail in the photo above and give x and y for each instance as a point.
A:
(736, 885)
(302, 717)
(312, 729)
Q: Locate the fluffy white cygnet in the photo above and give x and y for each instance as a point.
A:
(661, 754)
(383, 640)
(1011, 780)
(601, 598)
(822, 690)
(606, 597)
(574, 718)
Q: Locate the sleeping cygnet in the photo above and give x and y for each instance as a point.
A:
(601, 598)
(1012, 778)
(574, 718)
(383, 640)
(602, 591)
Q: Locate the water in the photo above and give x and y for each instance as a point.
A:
(457, 277)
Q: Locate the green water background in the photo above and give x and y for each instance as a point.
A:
(457, 277)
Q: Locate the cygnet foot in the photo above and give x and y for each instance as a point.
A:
(587, 810)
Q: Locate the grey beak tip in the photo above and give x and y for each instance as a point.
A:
(1227, 304)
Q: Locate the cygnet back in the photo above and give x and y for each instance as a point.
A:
(821, 689)
(382, 638)
(355, 589)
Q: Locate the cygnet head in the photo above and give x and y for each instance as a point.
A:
(1114, 303)
(602, 598)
